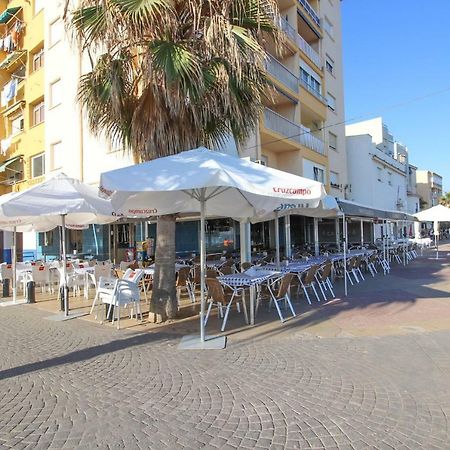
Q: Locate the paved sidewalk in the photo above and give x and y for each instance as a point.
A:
(368, 371)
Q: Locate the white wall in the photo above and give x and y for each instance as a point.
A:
(308, 169)
(85, 156)
(334, 83)
(372, 127)
(363, 177)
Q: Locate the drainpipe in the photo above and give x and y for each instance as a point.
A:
(80, 129)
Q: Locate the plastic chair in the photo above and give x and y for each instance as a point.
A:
(218, 297)
(183, 282)
(282, 295)
(308, 280)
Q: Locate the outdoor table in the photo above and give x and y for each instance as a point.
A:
(150, 270)
(250, 279)
(215, 263)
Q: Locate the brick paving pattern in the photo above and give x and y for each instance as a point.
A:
(81, 385)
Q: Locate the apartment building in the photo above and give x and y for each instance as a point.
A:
(302, 129)
(429, 187)
(413, 199)
(22, 94)
(378, 166)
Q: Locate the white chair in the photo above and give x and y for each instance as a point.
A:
(137, 276)
(39, 275)
(120, 292)
(100, 271)
(6, 271)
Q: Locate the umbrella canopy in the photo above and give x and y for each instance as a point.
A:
(238, 188)
(438, 213)
(211, 183)
(60, 201)
(41, 207)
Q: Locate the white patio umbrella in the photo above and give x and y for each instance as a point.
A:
(59, 201)
(209, 183)
(436, 214)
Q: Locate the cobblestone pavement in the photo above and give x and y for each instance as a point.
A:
(81, 385)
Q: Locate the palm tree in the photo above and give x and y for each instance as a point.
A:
(171, 75)
(445, 199)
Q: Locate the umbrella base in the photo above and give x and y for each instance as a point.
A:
(193, 342)
(62, 317)
(14, 303)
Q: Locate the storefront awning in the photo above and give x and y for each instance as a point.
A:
(5, 164)
(8, 14)
(11, 59)
(353, 209)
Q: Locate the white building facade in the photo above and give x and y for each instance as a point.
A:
(377, 166)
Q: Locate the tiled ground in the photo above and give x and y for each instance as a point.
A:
(368, 371)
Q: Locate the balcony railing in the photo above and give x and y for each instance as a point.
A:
(293, 131)
(282, 73)
(301, 43)
(313, 91)
(311, 12)
(389, 160)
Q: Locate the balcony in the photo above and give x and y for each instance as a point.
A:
(282, 74)
(300, 42)
(313, 91)
(311, 12)
(383, 157)
(294, 132)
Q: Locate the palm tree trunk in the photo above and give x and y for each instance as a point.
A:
(164, 297)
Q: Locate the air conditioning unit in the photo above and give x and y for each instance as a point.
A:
(260, 161)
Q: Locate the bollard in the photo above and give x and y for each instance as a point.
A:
(62, 296)
(31, 292)
(109, 317)
(6, 287)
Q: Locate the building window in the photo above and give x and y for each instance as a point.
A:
(319, 174)
(331, 101)
(329, 64)
(380, 174)
(17, 125)
(38, 6)
(38, 60)
(38, 165)
(264, 160)
(55, 93)
(328, 26)
(56, 32)
(312, 82)
(334, 179)
(56, 155)
(38, 113)
(332, 141)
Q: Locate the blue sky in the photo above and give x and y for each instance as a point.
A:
(396, 51)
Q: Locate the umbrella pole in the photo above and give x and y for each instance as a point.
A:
(14, 265)
(362, 233)
(202, 265)
(287, 236)
(64, 292)
(316, 236)
(277, 240)
(344, 233)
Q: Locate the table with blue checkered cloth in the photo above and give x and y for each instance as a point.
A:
(243, 279)
(295, 267)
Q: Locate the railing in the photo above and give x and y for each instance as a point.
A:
(282, 73)
(389, 160)
(293, 131)
(309, 88)
(310, 10)
(301, 43)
